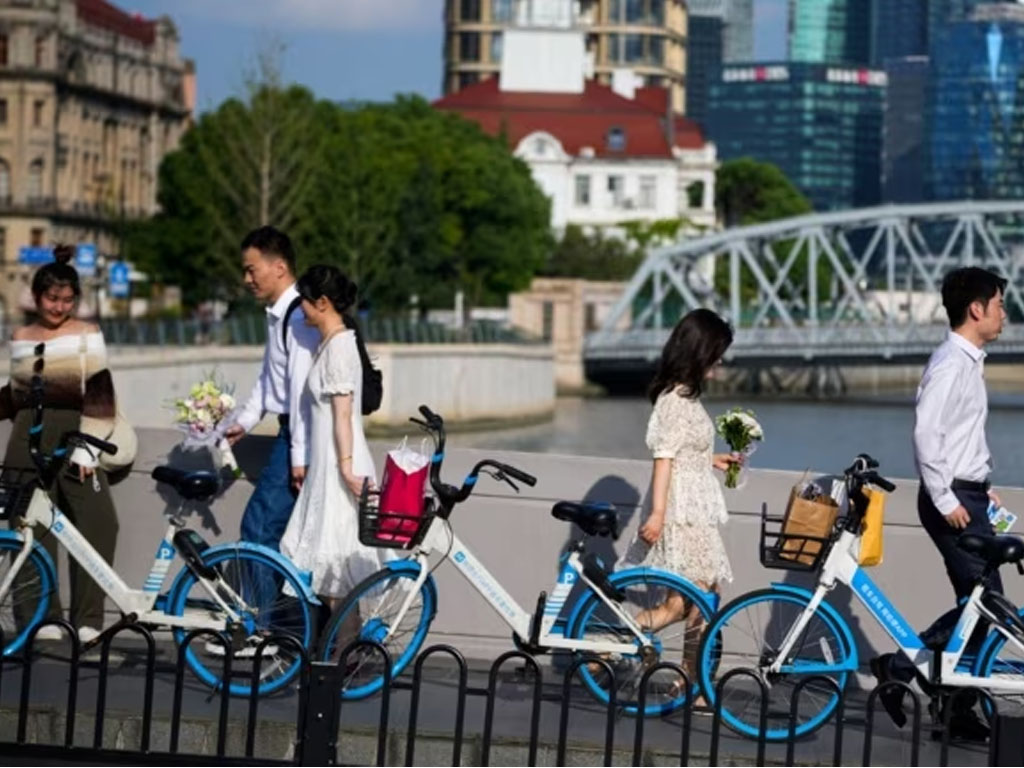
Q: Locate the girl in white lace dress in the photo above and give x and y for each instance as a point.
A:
(323, 532)
(681, 532)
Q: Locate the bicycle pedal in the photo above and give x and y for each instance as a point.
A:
(124, 621)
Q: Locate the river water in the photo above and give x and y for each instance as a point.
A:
(799, 434)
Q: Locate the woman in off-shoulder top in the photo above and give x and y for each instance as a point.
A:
(78, 394)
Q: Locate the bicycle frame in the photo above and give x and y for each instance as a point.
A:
(841, 565)
(138, 602)
(439, 538)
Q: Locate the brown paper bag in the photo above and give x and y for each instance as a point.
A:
(810, 518)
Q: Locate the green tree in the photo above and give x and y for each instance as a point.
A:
(405, 199)
(592, 256)
(748, 192)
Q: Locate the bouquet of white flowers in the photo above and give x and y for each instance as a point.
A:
(204, 416)
(740, 430)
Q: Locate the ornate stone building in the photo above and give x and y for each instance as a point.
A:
(646, 36)
(91, 99)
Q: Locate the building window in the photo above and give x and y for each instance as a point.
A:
(695, 194)
(3, 112)
(503, 11)
(40, 51)
(35, 180)
(468, 78)
(496, 47)
(469, 10)
(469, 46)
(616, 188)
(5, 182)
(37, 113)
(582, 190)
(590, 317)
(3, 50)
(36, 236)
(616, 140)
(548, 320)
(648, 192)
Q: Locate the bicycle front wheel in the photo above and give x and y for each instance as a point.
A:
(748, 633)
(264, 599)
(28, 599)
(373, 613)
(673, 614)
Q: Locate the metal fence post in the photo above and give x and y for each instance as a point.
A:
(323, 710)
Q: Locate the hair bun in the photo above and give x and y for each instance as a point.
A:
(63, 254)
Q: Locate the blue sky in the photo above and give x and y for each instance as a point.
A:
(343, 49)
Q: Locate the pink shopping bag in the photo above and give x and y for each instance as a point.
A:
(401, 493)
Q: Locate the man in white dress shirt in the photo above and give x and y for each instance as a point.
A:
(954, 462)
(268, 263)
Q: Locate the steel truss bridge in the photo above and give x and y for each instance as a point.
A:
(821, 291)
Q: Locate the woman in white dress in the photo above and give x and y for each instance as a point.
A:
(323, 532)
(687, 506)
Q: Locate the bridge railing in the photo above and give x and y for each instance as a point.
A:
(809, 342)
(252, 330)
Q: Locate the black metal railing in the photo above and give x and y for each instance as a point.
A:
(557, 709)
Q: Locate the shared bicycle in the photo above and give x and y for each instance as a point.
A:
(247, 597)
(622, 623)
(789, 636)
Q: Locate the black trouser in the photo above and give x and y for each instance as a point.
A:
(963, 568)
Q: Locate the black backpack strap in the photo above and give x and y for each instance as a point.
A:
(296, 302)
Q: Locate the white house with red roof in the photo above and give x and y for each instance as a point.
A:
(603, 154)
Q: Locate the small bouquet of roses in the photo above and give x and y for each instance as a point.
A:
(204, 416)
(740, 430)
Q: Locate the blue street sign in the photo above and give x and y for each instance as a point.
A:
(119, 282)
(85, 259)
(31, 254)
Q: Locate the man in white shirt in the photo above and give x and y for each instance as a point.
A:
(268, 264)
(953, 459)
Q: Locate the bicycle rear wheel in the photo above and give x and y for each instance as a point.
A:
(267, 609)
(28, 599)
(674, 614)
(371, 614)
(1002, 661)
(747, 633)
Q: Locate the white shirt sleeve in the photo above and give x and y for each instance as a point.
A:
(251, 413)
(301, 347)
(937, 388)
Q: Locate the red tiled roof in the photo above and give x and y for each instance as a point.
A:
(577, 120)
(110, 17)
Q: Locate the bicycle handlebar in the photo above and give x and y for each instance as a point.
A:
(449, 495)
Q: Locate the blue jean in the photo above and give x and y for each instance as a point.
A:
(270, 506)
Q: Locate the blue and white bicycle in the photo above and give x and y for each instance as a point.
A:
(787, 634)
(630, 619)
(246, 591)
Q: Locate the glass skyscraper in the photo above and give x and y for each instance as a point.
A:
(905, 135)
(704, 53)
(898, 28)
(738, 40)
(821, 124)
(976, 106)
(830, 31)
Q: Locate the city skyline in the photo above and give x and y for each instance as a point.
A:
(383, 48)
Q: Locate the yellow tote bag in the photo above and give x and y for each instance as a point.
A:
(871, 539)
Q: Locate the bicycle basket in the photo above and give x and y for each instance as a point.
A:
(15, 491)
(391, 530)
(786, 551)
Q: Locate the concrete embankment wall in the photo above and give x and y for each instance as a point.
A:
(473, 384)
(519, 541)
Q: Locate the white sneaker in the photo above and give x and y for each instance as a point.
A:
(87, 634)
(51, 633)
(213, 648)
